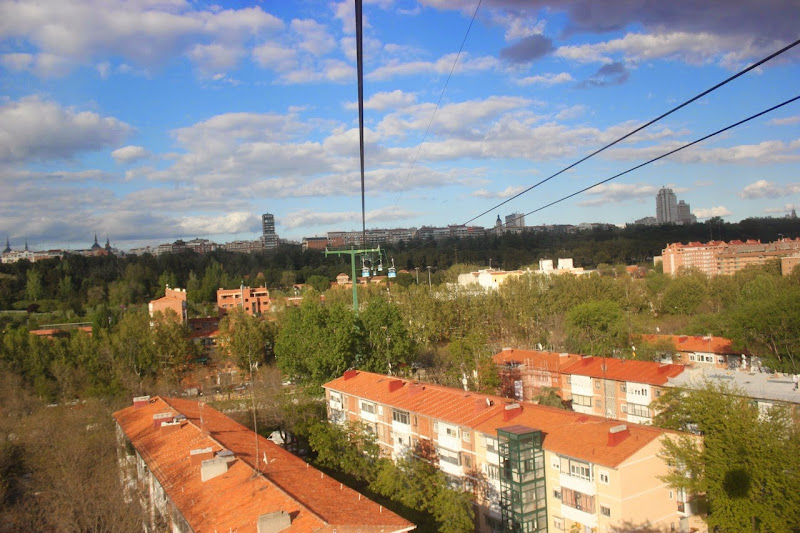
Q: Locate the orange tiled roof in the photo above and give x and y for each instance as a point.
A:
(535, 358)
(697, 343)
(566, 432)
(648, 372)
(234, 500)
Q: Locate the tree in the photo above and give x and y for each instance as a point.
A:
(684, 294)
(597, 328)
(317, 343)
(33, 284)
(746, 467)
(389, 343)
(247, 340)
(349, 449)
(318, 283)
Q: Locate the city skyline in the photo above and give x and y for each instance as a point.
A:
(100, 133)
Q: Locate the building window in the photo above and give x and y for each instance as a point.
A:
(400, 416)
(368, 407)
(623, 387)
(577, 399)
(449, 456)
(557, 494)
(569, 380)
(605, 511)
(493, 471)
(435, 426)
(603, 477)
(558, 523)
(597, 403)
(451, 432)
(639, 410)
(577, 469)
(670, 495)
(465, 435)
(491, 445)
(555, 462)
(467, 461)
(658, 393)
(624, 408)
(597, 384)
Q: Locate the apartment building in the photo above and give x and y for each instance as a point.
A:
(173, 299)
(253, 300)
(193, 469)
(525, 373)
(488, 278)
(724, 258)
(532, 468)
(705, 351)
(621, 389)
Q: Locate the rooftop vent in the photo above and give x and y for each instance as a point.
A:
(140, 401)
(511, 411)
(618, 434)
(225, 454)
(211, 468)
(274, 522)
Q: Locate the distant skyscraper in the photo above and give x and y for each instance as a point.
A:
(269, 238)
(666, 207)
(515, 220)
(685, 215)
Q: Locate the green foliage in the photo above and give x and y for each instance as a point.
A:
(684, 294)
(318, 283)
(389, 343)
(317, 343)
(596, 328)
(349, 449)
(746, 467)
(33, 285)
(246, 339)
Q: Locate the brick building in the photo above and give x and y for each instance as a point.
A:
(252, 300)
(193, 469)
(173, 299)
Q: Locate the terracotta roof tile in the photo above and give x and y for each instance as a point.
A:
(648, 372)
(235, 499)
(565, 432)
(535, 358)
(697, 343)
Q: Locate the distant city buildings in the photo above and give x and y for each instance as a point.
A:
(252, 300)
(269, 239)
(716, 258)
(670, 211)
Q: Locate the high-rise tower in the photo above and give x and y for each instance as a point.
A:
(666, 207)
(269, 239)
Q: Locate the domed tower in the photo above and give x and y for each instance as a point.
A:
(96, 245)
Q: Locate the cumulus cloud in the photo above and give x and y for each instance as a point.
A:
(610, 74)
(307, 217)
(386, 100)
(786, 209)
(505, 193)
(768, 189)
(129, 154)
(442, 65)
(527, 49)
(709, 212)
(785, 121)
(236, 222)
(33, 129)
(546, 79)
(314, 37)
(71, 32)
(618, 192)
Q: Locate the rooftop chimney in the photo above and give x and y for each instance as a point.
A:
(140, 401)
(350, 374)
(274, 522)
(211, 468)
(618, 434)
(395, 384)
(160, 418)
(512, 410)
(201, 454)
(170, 427)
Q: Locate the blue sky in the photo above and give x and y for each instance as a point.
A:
(152, 120)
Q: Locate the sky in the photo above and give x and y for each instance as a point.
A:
(153, 120)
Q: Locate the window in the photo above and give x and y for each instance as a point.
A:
(491, 445)
(493, 471)
(400, 416)
(465, 435)
(368, 407)
(557, 494)
(581, 470)
(451, 432)
(605, 511)
(639, 410)
(623, 387)
(555, 462)
(569, 380)
(558, 523)
(577, 399)
(597, 403)
(435, 426)
(597, 384)
(467, 461)
(624, 408)
(449, 456)
(603, 477)
(658, 393)
(670, 495)
(691, 357)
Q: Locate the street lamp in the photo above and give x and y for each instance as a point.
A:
(417, 269)
(429, 278)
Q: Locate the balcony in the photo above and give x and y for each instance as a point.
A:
(577, 484)
(579, 516)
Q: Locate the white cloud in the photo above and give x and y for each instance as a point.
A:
(764, 153)
(505, 193)
(274, 56)
(67, 32)
(718, 211)
(32, 129)
(442, 65)
(547, 79)
(786, 209)
(618, 192)
(785, 121)
(44, 65)
(314, 37)
(236, 222)
(216, 57)
(768, 189)
(308, 218)
(386, 100)
(129, 154)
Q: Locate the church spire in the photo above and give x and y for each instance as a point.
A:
(8, 246)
